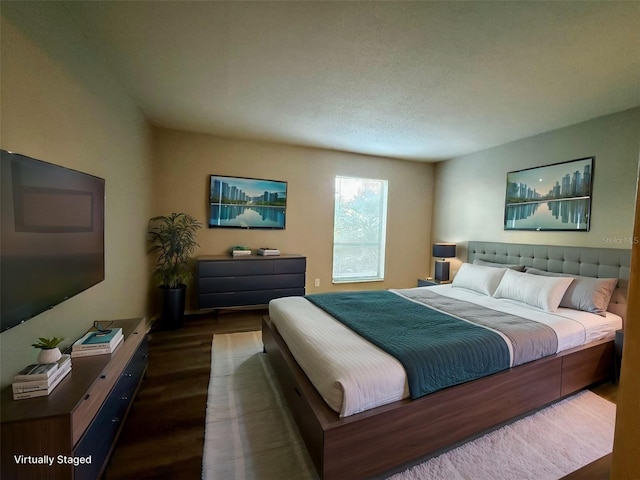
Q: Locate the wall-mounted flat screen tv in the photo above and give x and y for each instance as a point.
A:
(51, 236)
(239, 202)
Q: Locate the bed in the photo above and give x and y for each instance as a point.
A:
(358, 439)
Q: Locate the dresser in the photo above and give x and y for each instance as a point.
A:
(225, 281)
(70, 434)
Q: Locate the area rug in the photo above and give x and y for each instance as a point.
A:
(249, 432)
(251, 435)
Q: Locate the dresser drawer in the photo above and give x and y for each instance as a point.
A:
(232, 299)
(255, 297)
(238, 267)
(288, 292)
(290, 265)
(249, 283)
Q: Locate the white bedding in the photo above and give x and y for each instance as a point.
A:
(353, 375)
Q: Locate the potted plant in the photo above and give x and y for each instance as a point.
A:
(173, 239)
(49, 351)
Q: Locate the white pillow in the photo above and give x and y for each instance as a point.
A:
(535, 290)
(478, 278)
(585, 293)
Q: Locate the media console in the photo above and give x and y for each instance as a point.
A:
(70, 434)
(254, 280)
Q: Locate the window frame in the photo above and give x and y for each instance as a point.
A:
(380, 243)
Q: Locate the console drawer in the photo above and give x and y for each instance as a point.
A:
(101, 435)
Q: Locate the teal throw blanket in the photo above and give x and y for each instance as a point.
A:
(437, 350)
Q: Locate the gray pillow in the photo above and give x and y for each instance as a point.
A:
(588, 294)
(517, 268)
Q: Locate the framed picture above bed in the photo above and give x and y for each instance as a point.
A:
(551, 197)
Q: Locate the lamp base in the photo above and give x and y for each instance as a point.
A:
(442, 271)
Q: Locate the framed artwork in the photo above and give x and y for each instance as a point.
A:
(240, 202)
(552, 197)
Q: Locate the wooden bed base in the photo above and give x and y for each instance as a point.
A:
(384, 438)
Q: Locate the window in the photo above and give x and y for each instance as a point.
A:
(359, 229)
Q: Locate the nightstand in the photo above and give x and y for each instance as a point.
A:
(617, 347)
(430, 283)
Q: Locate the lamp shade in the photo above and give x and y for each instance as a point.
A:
(444, 250)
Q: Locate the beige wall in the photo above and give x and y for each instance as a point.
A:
(59, 104)
(183, 162)
(470, 190)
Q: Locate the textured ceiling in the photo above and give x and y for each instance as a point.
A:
(411, 80)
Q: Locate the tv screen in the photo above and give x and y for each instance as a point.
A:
(51, 237)
(238, 202)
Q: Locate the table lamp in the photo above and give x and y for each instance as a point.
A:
(443, 250)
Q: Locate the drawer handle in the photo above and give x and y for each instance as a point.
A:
(115, 420)
(86, 397)
(103, 376)
(124, 398)
(127, 374)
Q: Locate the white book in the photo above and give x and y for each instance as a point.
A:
(96, 351)
(21, 387)
(268, 251)
(64, 362)
(35, 371)
(40, 393)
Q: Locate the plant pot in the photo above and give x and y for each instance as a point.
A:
(49, 355)
(173, 303)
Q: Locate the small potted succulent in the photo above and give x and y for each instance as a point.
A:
(49, 351)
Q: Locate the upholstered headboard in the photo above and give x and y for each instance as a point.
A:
(586, 261)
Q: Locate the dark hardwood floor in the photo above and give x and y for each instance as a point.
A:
(163, 436)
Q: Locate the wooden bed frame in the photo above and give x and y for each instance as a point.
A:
(384, 438)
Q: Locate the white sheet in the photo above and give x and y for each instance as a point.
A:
(353, 375)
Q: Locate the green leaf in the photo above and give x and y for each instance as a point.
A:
(172, 239)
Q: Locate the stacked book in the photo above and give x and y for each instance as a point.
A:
(97, 343)
(266, 251)
(240, 251)
(38, 380)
